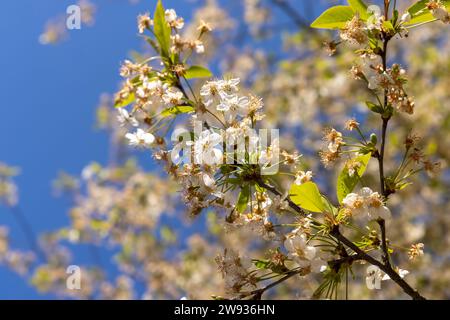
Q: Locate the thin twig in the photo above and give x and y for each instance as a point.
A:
(292, 13)
(27, 230)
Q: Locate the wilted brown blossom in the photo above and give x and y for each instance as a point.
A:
(354, 31)
(415, 251)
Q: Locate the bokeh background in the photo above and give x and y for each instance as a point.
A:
(49, 95)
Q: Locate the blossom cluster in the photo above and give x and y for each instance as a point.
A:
(366, 202)
(159, 94)
(8, 189)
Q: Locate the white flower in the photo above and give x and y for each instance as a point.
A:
(199, 47)
(181, 151)
(230, 86)
(269, 156)
(209, 91)
(150, 89)
(207, 148)
(263, 201)
(355, 203)
(368, 202)
(140, 138)
(376, 207)
(173, 20)
(406, 17)
(173, 96)
(302, 177)
(208, 180)
(124, 118)
(153, 86)
(231, 105)
(144, 22)
(216, 89)
(302, 253)
(171, 15)
(375, 21)
(280, 204)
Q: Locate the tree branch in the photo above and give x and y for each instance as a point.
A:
(386, 268)
(257, 294)
(335, 232)
(295, 207)
(292, 13)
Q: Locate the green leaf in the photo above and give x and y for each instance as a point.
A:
(387, 26)
(334, 18)
(261, 264)
(197, 72)
(374, 107)
(345, 183)
(402, 186)
(418, 6)
(131, 98)
(308, 197)
(268, 265)
(359, 6)
(176, 110)
(420, 14)
(243, 199)
(162, 29)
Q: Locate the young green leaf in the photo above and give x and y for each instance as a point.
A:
(162, 29)
(420, 14)
(334, 18)
(388, 27)
(416, 7)
(374, 107)
(269, 265)
(261, 264)
(171, 111)
(197, 72)
(360, 7)
(308, 197)
(131, 98)
(345, 182)
(243, 199)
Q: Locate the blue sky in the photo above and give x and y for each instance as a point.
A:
(48, 97)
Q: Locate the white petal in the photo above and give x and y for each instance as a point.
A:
(310, 252)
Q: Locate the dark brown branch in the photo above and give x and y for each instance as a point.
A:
(360, 254)
(386, 268)
(385, 120)
(384, 247)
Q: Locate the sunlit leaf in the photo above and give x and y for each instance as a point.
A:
(420, 14)
(308, 197)
(334, 18)
(197, 72)
(123, 103)
(176, 110)
(360, 7)
(243, 199)
(162, 29)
